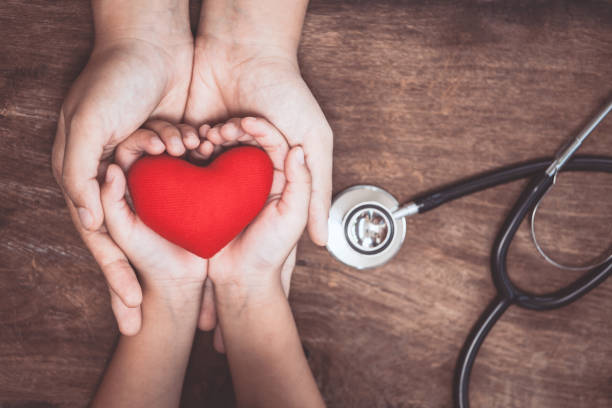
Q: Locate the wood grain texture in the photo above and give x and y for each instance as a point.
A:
(418, 94)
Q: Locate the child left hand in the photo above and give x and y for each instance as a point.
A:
(164, 268)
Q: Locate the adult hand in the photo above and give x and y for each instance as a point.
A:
(245, 63)
(237, 79)
(140, 67)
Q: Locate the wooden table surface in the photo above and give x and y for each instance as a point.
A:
(418, 94)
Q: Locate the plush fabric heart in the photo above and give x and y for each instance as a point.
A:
(201, 208)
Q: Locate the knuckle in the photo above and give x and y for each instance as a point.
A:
(113, 270)
(81, 119)
(171, 131)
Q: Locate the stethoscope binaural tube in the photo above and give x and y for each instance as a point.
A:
(507, 292)
(442, 195)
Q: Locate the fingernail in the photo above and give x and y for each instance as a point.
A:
(300, 155)
(157, 144)
(192, 136)
(85, 217)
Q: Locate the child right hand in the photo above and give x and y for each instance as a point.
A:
(259, 332)
(256, 266)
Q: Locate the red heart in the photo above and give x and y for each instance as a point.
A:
(201, 208)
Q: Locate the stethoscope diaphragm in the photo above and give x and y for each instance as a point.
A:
(363, 233)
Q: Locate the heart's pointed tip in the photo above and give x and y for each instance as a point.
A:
(201, 208)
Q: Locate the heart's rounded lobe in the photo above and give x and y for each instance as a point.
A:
(201, 208)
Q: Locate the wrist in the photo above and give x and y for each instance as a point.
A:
(230, 53)
(164, 23)
(173, 300)
(265, 27)
(235, 296)
(240, 46)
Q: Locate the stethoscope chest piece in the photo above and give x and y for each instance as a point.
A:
(362, 230)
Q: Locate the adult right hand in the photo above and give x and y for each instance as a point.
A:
(140, 68)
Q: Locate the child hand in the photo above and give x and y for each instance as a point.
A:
(164, 268)
(156, 137)
(250, 267)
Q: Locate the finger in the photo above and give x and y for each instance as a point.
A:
(120, 219)
(59, 147)
(208, 312)
(287, 271)
(115, 268)
(84, 149)
(231, 131)
(269, 138)
(118, 273)
(141, 244)
(319, 159)
(169, 134)
(121, 278)
(129, 319)
(278, 183)
(206, 149)
(189, 135)
(195, 155)
(214, 135)
(218, 342)
(114, 265)
(140, 142)
(293, 203)
(203, 131)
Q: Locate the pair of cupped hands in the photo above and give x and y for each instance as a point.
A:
(155, 79)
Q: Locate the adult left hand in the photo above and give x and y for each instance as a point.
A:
(231, 80)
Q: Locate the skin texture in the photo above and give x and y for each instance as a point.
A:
(147, 369)
(243, 61)
(100, 111)
(250, 280)
(260, 335)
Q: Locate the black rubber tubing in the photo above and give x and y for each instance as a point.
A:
(504, 175)
(508, 293)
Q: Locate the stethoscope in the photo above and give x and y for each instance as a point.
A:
(367, 227)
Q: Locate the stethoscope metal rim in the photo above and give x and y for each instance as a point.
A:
(344, 206)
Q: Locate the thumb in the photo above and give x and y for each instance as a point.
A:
(293, 204)
(79, 174)
(120, 220)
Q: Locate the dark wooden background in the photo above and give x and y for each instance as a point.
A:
(418, 93)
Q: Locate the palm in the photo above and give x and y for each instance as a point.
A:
(165, 263)
(226, 86)
(225, 266)
(221, 89)
(124, 86)
(161, 263)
